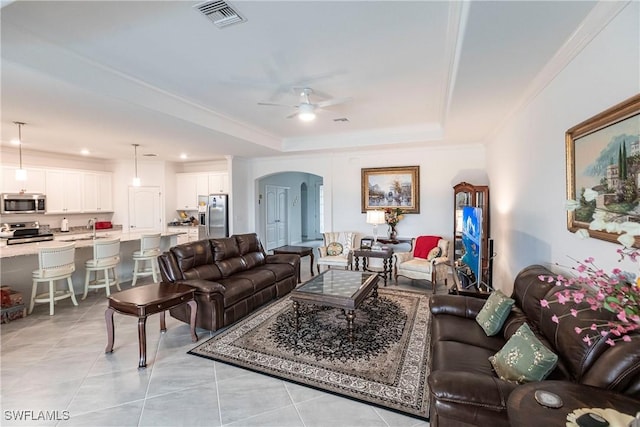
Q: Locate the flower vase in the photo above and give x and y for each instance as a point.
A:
(392, 232)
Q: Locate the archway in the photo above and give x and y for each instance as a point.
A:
(303, 204)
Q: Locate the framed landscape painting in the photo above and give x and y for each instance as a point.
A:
(392, 187)
(603, 171)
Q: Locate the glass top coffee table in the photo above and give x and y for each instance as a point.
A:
(342, 289)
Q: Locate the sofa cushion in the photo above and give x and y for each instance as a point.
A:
(224, 248)
(453, 328)
(236, 290)
(434, 253)
(253, 259)
(195, 260)
(494, 312)
(334, 248)
(281, 271)
(260, 278)
(458, 356)
(524, 358)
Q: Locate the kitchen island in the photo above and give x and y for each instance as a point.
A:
(17, 262)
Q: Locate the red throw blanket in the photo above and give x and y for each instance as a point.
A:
(424, 244)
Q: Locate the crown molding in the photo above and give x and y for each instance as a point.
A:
(599, 17)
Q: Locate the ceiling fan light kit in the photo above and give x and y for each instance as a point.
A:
(306, 110)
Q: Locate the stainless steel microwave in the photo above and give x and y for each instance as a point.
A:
(27, 203)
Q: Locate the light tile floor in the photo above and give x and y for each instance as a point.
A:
(57, 364)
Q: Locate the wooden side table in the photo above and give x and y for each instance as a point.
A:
(301, 251)
(385, 254)
(525, 411)
(142, 302)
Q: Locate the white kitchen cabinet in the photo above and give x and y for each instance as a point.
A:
(190, 234)
(188, 187)
(181, 238)
(64, 191)
(218, 183)
(97, 192)
(35, 182)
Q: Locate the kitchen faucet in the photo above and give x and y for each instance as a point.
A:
(92, 223)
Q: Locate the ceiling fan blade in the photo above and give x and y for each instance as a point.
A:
(330, 102)
(291, 116)
(270, 104)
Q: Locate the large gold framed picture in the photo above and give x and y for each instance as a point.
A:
(392, 187)
(603, 171)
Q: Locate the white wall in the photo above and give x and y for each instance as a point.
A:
(440, 169)
(526, 161)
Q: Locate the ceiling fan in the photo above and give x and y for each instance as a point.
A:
(306, 110)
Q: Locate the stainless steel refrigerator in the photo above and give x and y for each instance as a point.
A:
(213, 213)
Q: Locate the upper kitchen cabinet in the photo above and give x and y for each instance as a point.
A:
(191, 185)
(35, 182)
(97, 192)
(218, 183)
(188, 187)
(64, 191)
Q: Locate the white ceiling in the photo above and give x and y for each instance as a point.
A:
(105, 75)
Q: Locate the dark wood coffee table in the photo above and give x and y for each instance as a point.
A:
(342, 289)
(142, 302)
(302, 251)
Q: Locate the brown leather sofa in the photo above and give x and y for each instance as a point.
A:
(233, 276)
(465, 391)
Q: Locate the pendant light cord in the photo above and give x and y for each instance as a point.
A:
(20, 140)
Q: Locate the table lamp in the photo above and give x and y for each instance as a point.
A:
(375, 218)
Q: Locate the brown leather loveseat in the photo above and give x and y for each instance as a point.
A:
(465, 391)
(233, 276)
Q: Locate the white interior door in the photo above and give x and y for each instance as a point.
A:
(144, 209)
(276, 216)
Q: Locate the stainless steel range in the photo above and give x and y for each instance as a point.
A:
(25, 232)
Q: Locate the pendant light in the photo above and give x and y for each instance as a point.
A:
(21, 174)
(136, 178)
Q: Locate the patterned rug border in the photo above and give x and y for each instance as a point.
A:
(421, 319)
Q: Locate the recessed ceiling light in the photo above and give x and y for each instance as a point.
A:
(183, 156)
(85, 152)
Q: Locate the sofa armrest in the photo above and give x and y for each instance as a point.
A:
(440, 260)
(204, 286)
(291, 259)
(402, 257)
(322, 251)
(471, 389)
(457, 305)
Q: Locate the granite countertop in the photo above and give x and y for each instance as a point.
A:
(81, 240)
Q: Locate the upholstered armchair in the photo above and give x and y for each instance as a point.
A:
(337, 250)
(428, 260)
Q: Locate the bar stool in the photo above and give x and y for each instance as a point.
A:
(106, 256)
(149, 252)
(55, 263)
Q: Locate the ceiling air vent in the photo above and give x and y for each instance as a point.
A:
(220, 13)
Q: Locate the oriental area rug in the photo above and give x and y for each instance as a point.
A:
(385, 365)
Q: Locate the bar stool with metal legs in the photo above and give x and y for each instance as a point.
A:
(55, 263)
(148, 253)
(106, 256)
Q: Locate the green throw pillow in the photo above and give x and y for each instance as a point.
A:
(523, 358)
(494, 312)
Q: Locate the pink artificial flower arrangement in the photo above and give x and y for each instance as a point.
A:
(616, 292)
